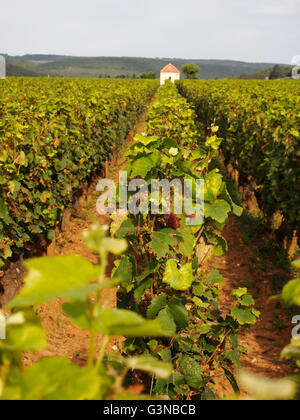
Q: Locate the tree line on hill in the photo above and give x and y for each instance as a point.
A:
(92, 67)
(55, 66)
(273, 73)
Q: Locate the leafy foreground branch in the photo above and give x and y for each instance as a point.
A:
(73, 279)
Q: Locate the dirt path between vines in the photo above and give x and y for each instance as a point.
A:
(264, 341)
(63, 337)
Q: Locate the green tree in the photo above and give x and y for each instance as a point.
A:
(276, 72)
(191, 71)
(279, 72)
(149, 75)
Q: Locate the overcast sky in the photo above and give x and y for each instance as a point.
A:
(249, 30)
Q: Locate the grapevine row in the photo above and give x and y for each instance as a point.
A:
(53, 135)
(260, 122)
(162, 276)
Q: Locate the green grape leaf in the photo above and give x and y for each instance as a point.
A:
(97, 241)
(218, 210)
(291, 293)
(247, 300)
(179, 313)
(149, 271)
(215, 278)
(237, 210)
(4, 214)
(232, 380)
(179, 279)
(193, 372)
(62, 276)
(162, 241)
(212, 186)
(158, 303)
(292, 351)
(186, 242)
(238, 293)
(26, 337)
(141, 167)
(149, 364)
(198, 289)
(3, 209)
(115, 246)
(118, 323)
(79, 313)
(143, 286)
(58, 379)
(125, 230)
(166, 319)
(264, 389)
(296, 264)
(146, 140)
(124, 273)
(255, 312)
(218, 241)
(243, 316)
(221, 246)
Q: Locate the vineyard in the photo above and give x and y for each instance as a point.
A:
(53, 136)
(261, 125)
(165, 333)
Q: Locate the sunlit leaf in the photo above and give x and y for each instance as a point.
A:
(58, 379)
(114, 322)
(62, 276)
(151, 365)
(267, 389)
(179, 279)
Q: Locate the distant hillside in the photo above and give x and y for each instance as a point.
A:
(21, 68)
(275, 72)
(69, 66)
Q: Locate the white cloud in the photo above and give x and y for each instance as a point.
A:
(296, 60)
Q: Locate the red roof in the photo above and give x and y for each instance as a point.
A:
(169, 68)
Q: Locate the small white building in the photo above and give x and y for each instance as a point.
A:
(169, 72)
(2, 67)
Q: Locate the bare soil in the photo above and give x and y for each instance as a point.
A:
(266, 339)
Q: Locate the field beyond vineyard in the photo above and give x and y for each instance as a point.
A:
(142, 306)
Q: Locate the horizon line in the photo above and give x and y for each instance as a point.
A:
(143, 57)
